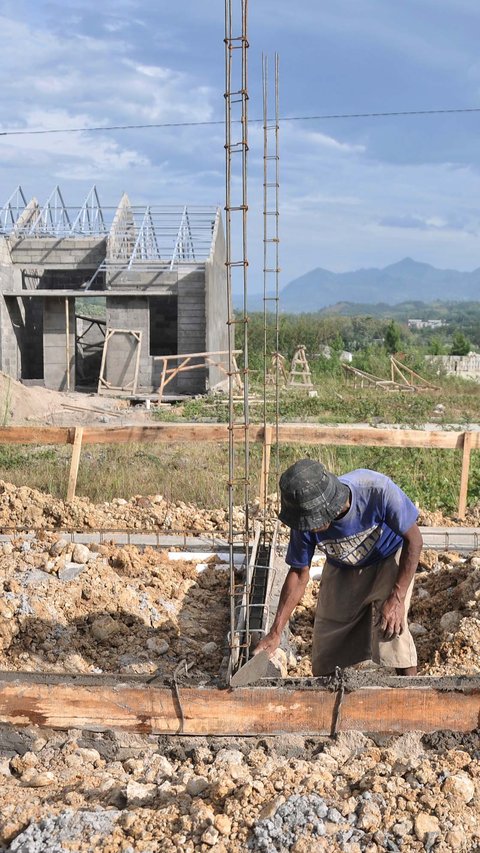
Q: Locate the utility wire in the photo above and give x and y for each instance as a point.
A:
(325, 116)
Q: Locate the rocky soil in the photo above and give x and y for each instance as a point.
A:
(25, 508)
(69, 608)
(122, 792)
(106, 608)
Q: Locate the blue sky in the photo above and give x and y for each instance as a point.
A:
(354, 192)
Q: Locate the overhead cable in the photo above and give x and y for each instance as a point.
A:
(169, 124)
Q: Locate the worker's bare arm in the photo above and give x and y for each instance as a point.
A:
(392, 617)
(291, 595)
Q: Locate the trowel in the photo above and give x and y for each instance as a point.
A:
(252, 671)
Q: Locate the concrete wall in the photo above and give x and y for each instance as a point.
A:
(192, 326)
(465, 366)
(216, 304)
(132, 312)
(10, 279)
(55, 343)
(22, 337)
(58, 253)
(129, 313)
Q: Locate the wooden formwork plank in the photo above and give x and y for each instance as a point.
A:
(372, 437)
(288, 433)
(247, 711)
(36, 435)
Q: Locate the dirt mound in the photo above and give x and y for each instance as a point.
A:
(25, 508)
(68, 608)
(22, 404)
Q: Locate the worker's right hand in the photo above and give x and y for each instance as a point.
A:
(269, 643)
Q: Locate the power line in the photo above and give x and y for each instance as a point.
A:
(323, 117)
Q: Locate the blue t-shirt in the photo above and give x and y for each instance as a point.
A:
(372, 529)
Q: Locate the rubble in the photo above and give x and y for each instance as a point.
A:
(106, 608)
(123, 610)
(312, 795)
(25, 508)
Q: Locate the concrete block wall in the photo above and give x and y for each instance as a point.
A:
(165, 280)
(191, 326)
(58, 252)
(10, 279)
(55, 343)
(130, 313)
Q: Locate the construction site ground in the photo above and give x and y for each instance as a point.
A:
(121, 609)
(140, 612)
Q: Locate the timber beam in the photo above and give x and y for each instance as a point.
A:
(287, 434)
(99, 703)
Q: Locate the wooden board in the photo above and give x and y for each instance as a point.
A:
(287, 434)
(101, 703)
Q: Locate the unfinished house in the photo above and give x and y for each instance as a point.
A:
(105, 298)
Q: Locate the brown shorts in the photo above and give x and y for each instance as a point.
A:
(344, 632)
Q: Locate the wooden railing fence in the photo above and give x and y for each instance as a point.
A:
(288, 433)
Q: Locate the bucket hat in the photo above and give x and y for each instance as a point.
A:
(310, 495)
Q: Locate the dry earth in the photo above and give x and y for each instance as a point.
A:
(69, 608)
(105, 609)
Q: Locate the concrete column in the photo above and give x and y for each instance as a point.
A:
(56, 339)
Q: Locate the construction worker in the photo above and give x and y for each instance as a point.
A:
(366, 525)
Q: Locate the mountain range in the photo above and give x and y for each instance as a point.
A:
(399, 282)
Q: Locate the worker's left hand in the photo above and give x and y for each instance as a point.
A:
(392, 616)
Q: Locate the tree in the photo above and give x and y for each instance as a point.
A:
(460, 344)
(392, 337)
(435, 346)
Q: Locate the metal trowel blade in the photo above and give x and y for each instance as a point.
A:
(252, 671)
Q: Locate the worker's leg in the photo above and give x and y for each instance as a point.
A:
(342, 633)
(398, 652)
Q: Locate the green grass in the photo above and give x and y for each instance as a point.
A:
(338, 402)
(197, 473)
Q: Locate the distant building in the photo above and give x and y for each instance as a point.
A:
(158, 271)
(425, 324)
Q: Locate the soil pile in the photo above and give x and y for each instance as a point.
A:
(122, 792)
(25, 508)
(21, 404)
(66, 608)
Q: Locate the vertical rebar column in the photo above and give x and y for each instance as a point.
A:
(271, 269)
(236, 209)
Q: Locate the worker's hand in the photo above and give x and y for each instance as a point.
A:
(392, 616)
(269, 643)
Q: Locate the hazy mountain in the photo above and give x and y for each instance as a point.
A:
(404, 281)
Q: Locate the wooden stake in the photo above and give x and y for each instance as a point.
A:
(75, 461)
(462, 500)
